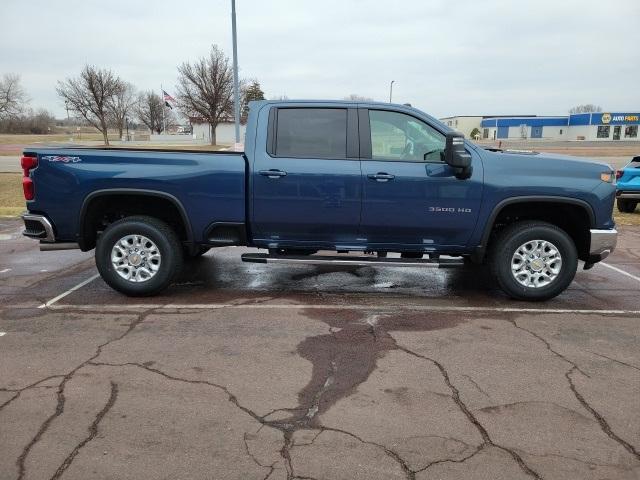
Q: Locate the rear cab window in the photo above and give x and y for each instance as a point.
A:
(311, 133)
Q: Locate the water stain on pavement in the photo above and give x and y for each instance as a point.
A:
(346, 356)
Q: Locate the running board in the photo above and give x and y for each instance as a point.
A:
(345, 260)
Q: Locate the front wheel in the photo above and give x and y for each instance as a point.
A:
(138, 256)
(533, 260)
(626, 206)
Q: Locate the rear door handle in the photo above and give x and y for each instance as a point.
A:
(273, 173)
(381, 176)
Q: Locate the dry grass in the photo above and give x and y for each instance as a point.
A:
(11, 198)
(13, 144)
(182, 146)
(627, 219)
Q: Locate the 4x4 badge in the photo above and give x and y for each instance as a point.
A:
(63, 159)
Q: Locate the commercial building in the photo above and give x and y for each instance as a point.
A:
(582, 126)
(519, 128)
(604, 126)
(466, 124)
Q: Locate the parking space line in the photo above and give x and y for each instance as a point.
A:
(289, 306)
(619, 270)
(5, 270)
(71, 290)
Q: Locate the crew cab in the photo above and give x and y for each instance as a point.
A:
(362, 180)
(628, 186)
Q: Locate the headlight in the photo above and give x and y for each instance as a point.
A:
(608, 177)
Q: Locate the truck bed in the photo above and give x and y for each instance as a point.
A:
(210, 186)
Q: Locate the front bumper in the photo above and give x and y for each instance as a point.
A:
(629, 194)
(603, 242)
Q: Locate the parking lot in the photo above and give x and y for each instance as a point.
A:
(249, 371)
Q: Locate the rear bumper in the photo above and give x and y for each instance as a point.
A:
(603, 242)
(40, 228)
(628, 194)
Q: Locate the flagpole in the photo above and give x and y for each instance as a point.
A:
(164, 123)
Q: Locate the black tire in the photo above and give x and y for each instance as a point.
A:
(159, 233)
(626, 206)
(507, 242)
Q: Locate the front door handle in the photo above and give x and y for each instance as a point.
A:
(273, 173)
(381, 176)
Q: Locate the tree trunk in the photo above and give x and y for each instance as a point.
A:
(104, 132)
(213, 133)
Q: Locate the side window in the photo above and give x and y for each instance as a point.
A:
(400, 137)
(311, 133)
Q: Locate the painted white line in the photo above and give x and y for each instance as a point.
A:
(620, 271)
(72, 289)
(2, 334)
(5, 270)
(289, 306)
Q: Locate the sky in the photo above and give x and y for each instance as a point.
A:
(446, 57)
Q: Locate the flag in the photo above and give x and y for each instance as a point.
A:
(168, 97)
(168, 105)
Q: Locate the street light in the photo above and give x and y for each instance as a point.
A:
(236, 93)
(391, 90)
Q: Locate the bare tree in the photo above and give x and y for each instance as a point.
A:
(120, 105)
(354, 97)
(90, 94)
(148, 110)
(13, 99)
(205, 89)
(586, 108)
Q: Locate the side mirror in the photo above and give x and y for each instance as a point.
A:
(456, 156)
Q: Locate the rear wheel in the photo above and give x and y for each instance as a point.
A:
(533, 260)
(627, 206)
(138, 256)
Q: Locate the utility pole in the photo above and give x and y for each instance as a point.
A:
(236, 88)
(391, 90)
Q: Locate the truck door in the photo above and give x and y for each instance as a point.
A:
(307, 183)
(410, 196)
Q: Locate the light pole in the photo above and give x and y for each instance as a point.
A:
(236, 88)
(391, 90)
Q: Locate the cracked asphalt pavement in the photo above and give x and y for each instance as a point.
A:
(247, 371)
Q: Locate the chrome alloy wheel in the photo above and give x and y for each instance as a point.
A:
(135, 258)
(536, 264)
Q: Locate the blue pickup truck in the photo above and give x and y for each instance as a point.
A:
(628, 186)
(374, 183)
